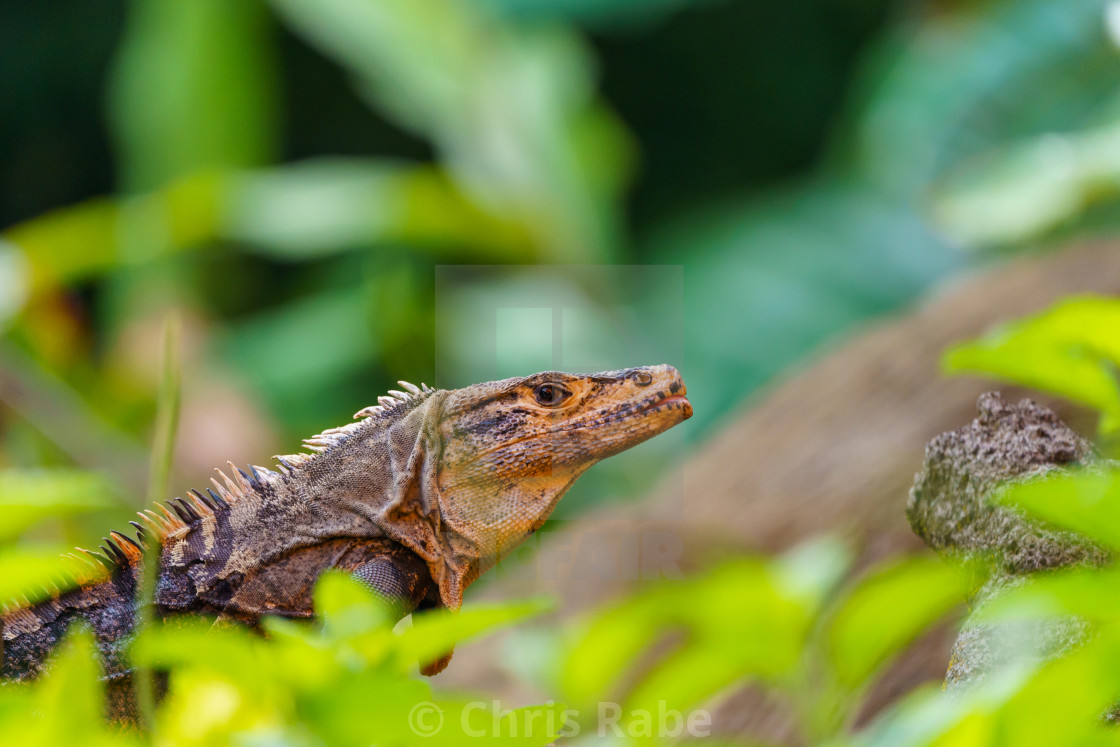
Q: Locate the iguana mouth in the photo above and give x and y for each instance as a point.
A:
(668, 403)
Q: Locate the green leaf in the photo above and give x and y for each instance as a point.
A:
(811, 571)
(736, 623)
(15, 282)
(1089, 593)
(70, 686)
(1085, 502)
(689, 676)
(531, 726)
(1086, 321)
(1025, 702)
(193, 89)
(1064, 702)
(67, 243)
(203, 708)
(86, 239)
(604, 648)
(307, 209)
(747, 609)
(68, 702)
(29, 496)
(926, 717)
(405, 713)
(1070, 349)
(435, 633)
(510, 109)
(744, 619)
(351, 710)
(17, 704)
(348, 607)
(32, 571)
(196, 641)
(886, 611)
(1071, 374)
(1027, 189)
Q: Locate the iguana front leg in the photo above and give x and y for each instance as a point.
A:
(403, 586)
(401, 579)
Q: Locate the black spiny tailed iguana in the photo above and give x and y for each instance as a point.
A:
(416, 499)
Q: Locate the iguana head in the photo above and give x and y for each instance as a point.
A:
(510, 449)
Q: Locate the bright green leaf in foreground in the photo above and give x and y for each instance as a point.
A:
(608, 644)
(886, 611)
(346, 606)
(1092, 594)
(352, 681)
(66, 706)
(71, 686)
(434, 633)
(926, 717)
(745, 620)
(1021, 705)
(1071, 350)
(29, 496)
(1070, 373)
(1085, 502)
(32, 572)
(198, 642)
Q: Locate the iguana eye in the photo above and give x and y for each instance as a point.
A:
(550, 395)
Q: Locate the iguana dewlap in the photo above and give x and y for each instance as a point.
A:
(417, 498)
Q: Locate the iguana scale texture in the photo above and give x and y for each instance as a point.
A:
(417, 498)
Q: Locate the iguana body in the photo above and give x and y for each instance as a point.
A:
(417, 499)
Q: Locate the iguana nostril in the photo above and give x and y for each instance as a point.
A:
(641, 378)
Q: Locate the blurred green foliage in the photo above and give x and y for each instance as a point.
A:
(348, 681)
(785, 623)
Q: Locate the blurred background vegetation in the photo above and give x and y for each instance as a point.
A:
(287, 177)
(322, 191)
